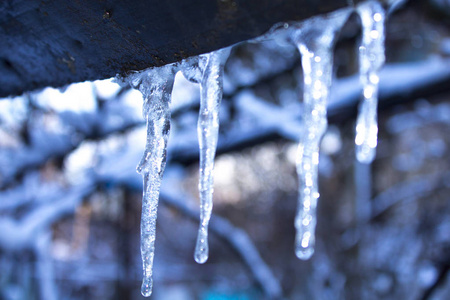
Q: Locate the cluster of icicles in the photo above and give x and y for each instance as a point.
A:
(314, 39)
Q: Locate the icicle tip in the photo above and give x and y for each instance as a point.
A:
(147, 287)
(201, 257)
(304, 253)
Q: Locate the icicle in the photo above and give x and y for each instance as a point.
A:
(211, 89)
(207, 70)
(315, 40)
(371, 59)
(156, 88)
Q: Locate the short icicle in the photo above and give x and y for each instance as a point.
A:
(156, 88)
(371, 59)
(315, 41)
(211, 91)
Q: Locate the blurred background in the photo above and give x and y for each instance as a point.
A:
(70, 196)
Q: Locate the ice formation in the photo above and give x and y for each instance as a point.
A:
(211, 90)
(315, 40)
(371, 59)
(156, 87)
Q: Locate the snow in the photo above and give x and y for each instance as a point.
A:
(13, 110)
(78, 97)
(106, 89)
(185, 93)
(413, 74)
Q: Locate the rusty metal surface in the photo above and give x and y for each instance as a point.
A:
(52, 43)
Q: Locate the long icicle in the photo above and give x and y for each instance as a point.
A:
(315, 41)
(211, 91)
(371, 59)
(156, 88)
